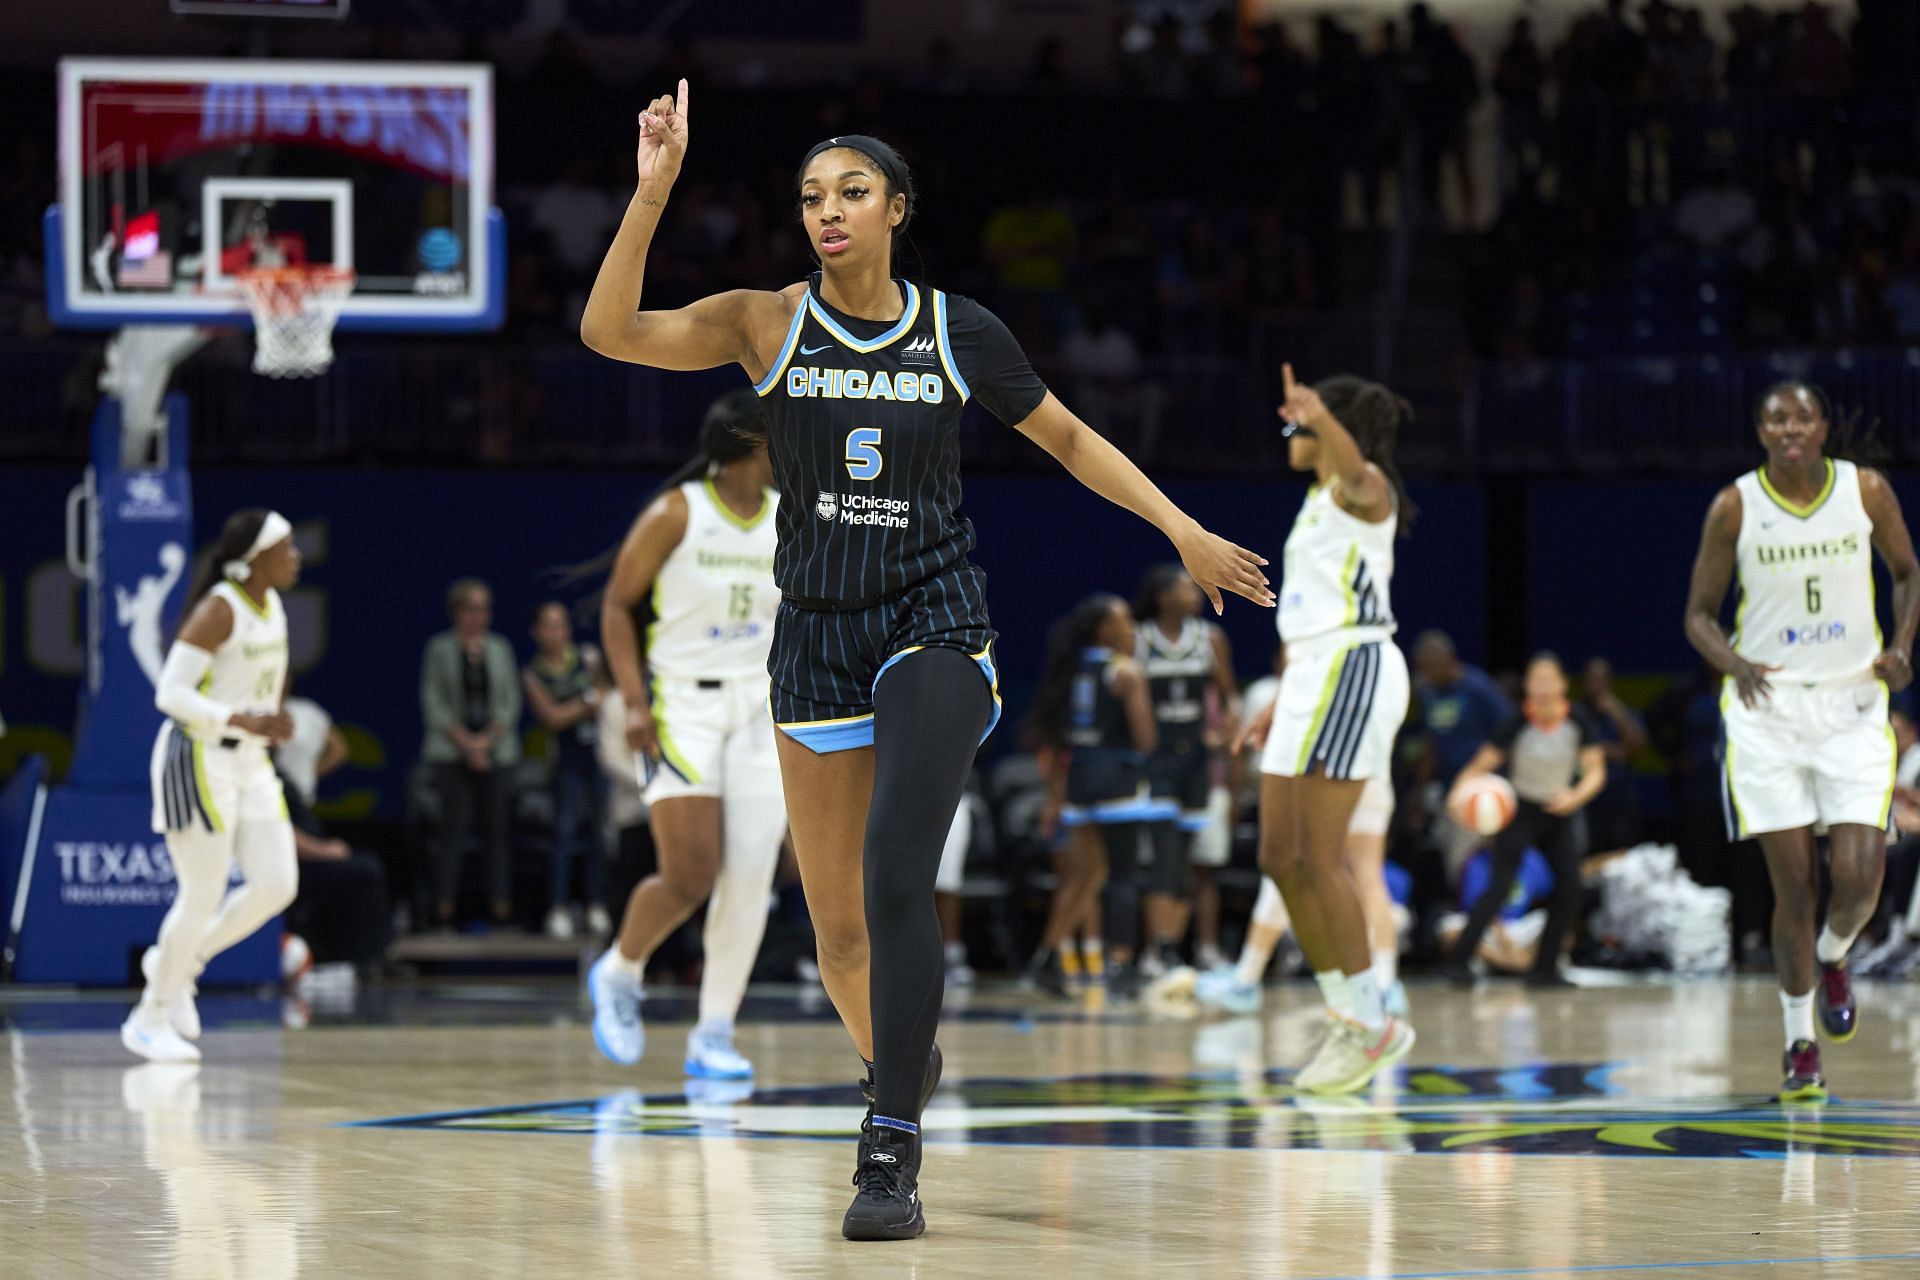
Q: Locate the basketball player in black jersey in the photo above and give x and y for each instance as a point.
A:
(865, 376)
(1094, 713)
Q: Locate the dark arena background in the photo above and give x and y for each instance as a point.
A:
(331, 259)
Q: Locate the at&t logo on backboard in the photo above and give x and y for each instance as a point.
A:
(439, 251)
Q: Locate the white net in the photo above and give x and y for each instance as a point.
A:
(294, 309)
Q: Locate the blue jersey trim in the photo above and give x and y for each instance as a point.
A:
(772, 379)
(982, 659)
(864, 346)
(947, 359)
(1116, 813)
(824, 737)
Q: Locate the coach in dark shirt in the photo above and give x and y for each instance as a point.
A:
(1553, 755)
(1460, 704)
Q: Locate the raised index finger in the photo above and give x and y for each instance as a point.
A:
(1286, 374)
(680, 99)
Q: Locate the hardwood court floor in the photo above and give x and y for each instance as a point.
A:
(1619, 1131)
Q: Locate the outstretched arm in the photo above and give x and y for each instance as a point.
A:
(1216, 564)
(1358, 486)
(1895, 545)
(708, 333)
(648, 544)
(1712, 575)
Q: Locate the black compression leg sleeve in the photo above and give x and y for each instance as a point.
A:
(1120, 900)
(1172, 860)
(930, 709)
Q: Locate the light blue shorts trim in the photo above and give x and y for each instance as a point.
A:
(823, 737)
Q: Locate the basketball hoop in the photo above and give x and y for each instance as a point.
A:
(294, 309)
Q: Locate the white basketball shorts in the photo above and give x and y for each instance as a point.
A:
(1812, 756)
(1342, 700)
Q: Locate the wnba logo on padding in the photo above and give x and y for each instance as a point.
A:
(827, 507)
(145, 495)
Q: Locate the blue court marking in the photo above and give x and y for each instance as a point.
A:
(1441, 1111)
(814, 1094)
(1617, 1268)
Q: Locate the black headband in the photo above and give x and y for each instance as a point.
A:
(874, 149)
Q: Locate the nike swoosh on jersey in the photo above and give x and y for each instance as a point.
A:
(814, 351)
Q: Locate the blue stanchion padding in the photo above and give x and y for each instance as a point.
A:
(144, 519)
(101, 882)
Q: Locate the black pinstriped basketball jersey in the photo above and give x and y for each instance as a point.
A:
(864, 436)
(1178, 672)
(1095, 716)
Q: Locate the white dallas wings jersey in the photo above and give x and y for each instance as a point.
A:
(1806, 581)
(714, 600)
(249, 671)
(1337, 570)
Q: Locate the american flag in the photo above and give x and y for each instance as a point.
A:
(143, 263)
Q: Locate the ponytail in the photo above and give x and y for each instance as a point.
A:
(236, 538)
(732, 429)
(1374, 415)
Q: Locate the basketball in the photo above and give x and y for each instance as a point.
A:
(1483, 804)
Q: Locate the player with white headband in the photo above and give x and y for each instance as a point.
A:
(216, 797)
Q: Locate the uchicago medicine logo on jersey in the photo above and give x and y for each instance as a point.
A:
(864, 509)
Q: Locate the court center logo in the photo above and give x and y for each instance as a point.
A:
(1561, 1109)
(827, 506)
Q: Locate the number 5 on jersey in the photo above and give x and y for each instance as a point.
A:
(863, 453)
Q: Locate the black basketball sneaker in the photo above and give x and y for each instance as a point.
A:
(1045, 972)
(1804, 1081)
(887, 1206)
(1833, 1001)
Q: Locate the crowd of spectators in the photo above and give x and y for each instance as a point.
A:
(1751, 184)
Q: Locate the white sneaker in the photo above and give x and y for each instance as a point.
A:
(617, 1028)
(959, 972)
(711, 1056)
(1394, 1000)
(560, 924)
(183, 1014)
(1209, 957)
(1174, 985)
(147, 1032)
(599, 923)
(1351, 1055)
(1222, 989)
